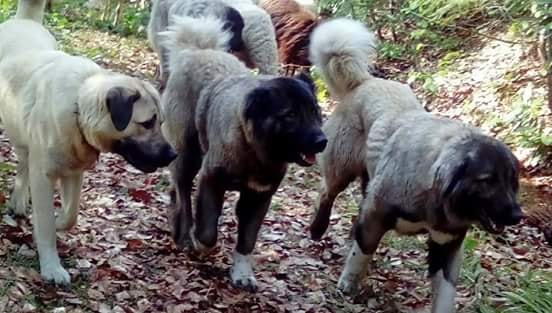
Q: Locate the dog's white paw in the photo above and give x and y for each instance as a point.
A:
(242, 274)
(348, 283)
(55, 273)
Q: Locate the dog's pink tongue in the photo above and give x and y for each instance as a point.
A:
(310, 158)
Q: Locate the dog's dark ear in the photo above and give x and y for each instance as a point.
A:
(233, 22)
(454, 176)
(257, 103)
(305, 77)
(120, 103)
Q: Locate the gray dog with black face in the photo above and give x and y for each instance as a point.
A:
(238, 130)
(60, 112)
(426, 173)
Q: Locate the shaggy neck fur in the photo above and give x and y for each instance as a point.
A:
(83, 151)
(31, 10)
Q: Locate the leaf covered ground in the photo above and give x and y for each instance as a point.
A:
(121, 257)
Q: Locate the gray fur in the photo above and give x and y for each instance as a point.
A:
(426, 173)
(210, 104)
(259, 37)
(161, 18)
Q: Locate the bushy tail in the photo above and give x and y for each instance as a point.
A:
(196, 33)
(343, 50)
(31, 10)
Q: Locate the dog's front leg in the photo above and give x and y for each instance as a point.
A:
(208, 209)
(368, 232)
(251, 210)
(445, 261)
(44, 224)
(70, 196)
(183, 170)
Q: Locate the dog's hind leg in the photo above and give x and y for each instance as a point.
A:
(70, 196)
(445, 261)
(251, 210)
(183, 170)
(369, 230)
(19, 199)
(44, 223)
(331, 187)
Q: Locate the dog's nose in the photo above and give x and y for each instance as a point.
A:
(320, 143)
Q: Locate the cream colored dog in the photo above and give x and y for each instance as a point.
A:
(61, 111)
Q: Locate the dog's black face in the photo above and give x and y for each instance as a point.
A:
(146, 153)
(483, 187)
(233, 22)
(286, 119)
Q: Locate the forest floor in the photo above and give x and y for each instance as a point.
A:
(121, 257)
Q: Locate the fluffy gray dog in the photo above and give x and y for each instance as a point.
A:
(241, 130)
(160, 19)
(426, 173)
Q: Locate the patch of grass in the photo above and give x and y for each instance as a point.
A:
(404, 242)
(163, 184)
(5, 286)
(426, 79)
(533, 293)
(276, 205)
(15, 259)
(471, 271)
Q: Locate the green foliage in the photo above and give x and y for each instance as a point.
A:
(322, 93)
(426, 80)
(413, 27)
(7, 9)
(532, 295)
(527, 128)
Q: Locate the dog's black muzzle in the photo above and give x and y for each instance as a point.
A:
(316, 143)
(147, 155)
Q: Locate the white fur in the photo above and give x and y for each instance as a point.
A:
(444, 293)
(405, 227)
(53, 109)
(241, 273)
(356, 268)
(344, 50)
(196, 33)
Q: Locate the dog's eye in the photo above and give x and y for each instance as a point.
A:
(149, 123)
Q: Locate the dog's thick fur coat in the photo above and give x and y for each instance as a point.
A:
(237, 130)
(161, 18)
(259, 37)
(363, 99)
(426, 173)
(60, 112)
